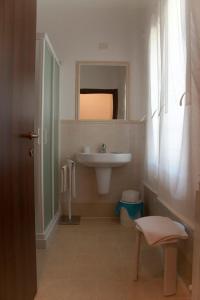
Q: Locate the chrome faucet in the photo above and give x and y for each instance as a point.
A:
(103, 148)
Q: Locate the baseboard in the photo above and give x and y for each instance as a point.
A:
(93, 210)
(101, 219)
(42, 239)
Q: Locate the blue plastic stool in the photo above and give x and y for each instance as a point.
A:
(135, 210)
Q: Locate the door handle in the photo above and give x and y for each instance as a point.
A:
(31, 152)
(30, 135)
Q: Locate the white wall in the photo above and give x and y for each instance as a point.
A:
(119, 137)
(76, 32)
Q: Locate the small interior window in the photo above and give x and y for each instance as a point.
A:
(98, 104)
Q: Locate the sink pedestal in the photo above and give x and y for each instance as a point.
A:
(103, 164)
(103, 176)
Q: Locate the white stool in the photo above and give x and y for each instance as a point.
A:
(170, 262)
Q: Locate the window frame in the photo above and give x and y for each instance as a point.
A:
(125, 64)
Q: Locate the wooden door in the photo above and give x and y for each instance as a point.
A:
(17, 74)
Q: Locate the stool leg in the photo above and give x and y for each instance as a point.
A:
(170, 269)
(136, 255)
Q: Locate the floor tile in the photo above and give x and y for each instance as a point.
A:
(94, 261)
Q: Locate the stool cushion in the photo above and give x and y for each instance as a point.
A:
(160, 230)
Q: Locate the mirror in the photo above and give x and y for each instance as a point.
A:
(102, 91)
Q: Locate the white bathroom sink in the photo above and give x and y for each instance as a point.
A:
(103, 164)
(104, 160)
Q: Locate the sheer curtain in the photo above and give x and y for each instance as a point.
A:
(174, 160)
(173, 143)
(152, 142)
(168, 158)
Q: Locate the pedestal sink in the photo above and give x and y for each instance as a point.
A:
(103, 164)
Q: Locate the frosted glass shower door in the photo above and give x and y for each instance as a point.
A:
(47, 146)
(47, 137)
(55, 145)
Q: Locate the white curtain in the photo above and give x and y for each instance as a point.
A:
(152, 142)
(174, 161)
(168, 155)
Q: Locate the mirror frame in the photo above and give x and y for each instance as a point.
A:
(101, 63)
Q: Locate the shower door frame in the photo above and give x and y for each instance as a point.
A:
(42, 232)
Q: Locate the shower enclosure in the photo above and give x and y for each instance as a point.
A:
(47, 146)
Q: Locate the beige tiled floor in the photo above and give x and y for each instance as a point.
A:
(93, 261)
